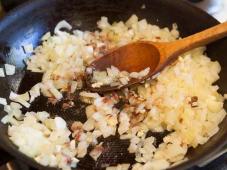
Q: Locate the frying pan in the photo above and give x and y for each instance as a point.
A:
(26, 25)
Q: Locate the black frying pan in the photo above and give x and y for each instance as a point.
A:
(29, 22)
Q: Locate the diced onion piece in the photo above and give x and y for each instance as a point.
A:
(89, 49)
(3, 101)
(144, 72)
(89, 70)
(2, 74)
(42, 116)
(60, 25)
(73, 86)
(12, 95)
(15, 105)
(22, 99)
(5, 119)
(74, 162)
(103, 23)
(23, 102)
(35, 92)
(60, 123)
(10, 69)
(96, 152)
(7, 108)
(53, 90)
(88, 94)
(78, 33)
(56, 93)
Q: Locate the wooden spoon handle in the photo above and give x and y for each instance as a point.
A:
(199, 39)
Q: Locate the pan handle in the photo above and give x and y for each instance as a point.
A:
(4, 157)
(217, 155)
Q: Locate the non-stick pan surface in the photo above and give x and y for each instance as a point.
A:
(29, 22)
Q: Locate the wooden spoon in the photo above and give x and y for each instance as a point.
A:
(137, 56)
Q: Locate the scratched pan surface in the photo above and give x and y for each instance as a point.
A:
(29, 22)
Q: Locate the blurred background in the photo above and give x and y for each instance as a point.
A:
(216, 8)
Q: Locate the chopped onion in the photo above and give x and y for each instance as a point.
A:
(97, 151)
(15, 105)
(3, 101)
(73, 86)
(10, 69)
(22, 99)
(60, 25)
(74, 162)
(53, 90)
(156, 75)
(35, 92)
(5, 119)
(78, 33)
(7, 108)
(88, 94)
(12, 95)
(89, 70)
(89, 49)
(42, 116)
(60, 123)
(2, 74)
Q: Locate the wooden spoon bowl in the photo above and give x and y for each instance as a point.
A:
(140, 55)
